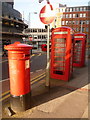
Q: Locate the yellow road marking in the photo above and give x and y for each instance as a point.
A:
(39, 54)
(37, 79)
(32, 82)
(32, 55)
(5, 93)
(5, 97)
(38, 76)
(3, 61)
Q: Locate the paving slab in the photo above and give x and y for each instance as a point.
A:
(71, 105)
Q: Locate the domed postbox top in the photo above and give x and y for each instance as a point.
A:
(18, 46)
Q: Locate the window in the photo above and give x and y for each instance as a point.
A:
(67, 10)
(77, 22)
(44, 36)
(84, 22)
(35, 36)
(84, 14)
(66, 22)
(42, 30)
(39, 36)
(35, 30)
(66, 15)
(31, 30)
(81, 14)
(74, 9)
(74, 15)
(70, 22)
(45, 30)
(73, 22)
(84, 9)
(87, 21)
(77, 29)
(70, 9)
(77, 9)
(62, 22)
(87, 29)
(39, 30)
(70, 15)
(77, 15)
(80, 22)
(80, 8)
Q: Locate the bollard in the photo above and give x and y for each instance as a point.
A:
(19, 72)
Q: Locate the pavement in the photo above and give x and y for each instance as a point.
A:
(63, 100)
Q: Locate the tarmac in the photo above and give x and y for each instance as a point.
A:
(63, 100)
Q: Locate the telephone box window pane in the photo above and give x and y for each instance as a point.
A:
(77, 51)
(60, 45)
(60, 40)
(60, 49)
(59, 55)
(59, 59)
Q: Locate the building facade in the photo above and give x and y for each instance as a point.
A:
(78, 18)
(59, 14)
(36, 36)
(12, 24)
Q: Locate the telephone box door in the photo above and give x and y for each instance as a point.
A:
(61, 53)
(79, 49)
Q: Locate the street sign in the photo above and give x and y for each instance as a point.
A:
(47, 14)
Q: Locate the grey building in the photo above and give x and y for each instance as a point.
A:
(11, 23)
(36, 36)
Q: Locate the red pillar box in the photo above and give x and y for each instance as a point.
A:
(79, 49)
(19, 71)
(61, 53)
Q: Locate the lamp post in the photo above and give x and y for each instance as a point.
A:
(30, 17)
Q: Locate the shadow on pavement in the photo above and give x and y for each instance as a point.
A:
(60, 88)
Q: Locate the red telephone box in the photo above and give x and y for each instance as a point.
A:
(44, 47)
(61, 53)
(79, 49)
